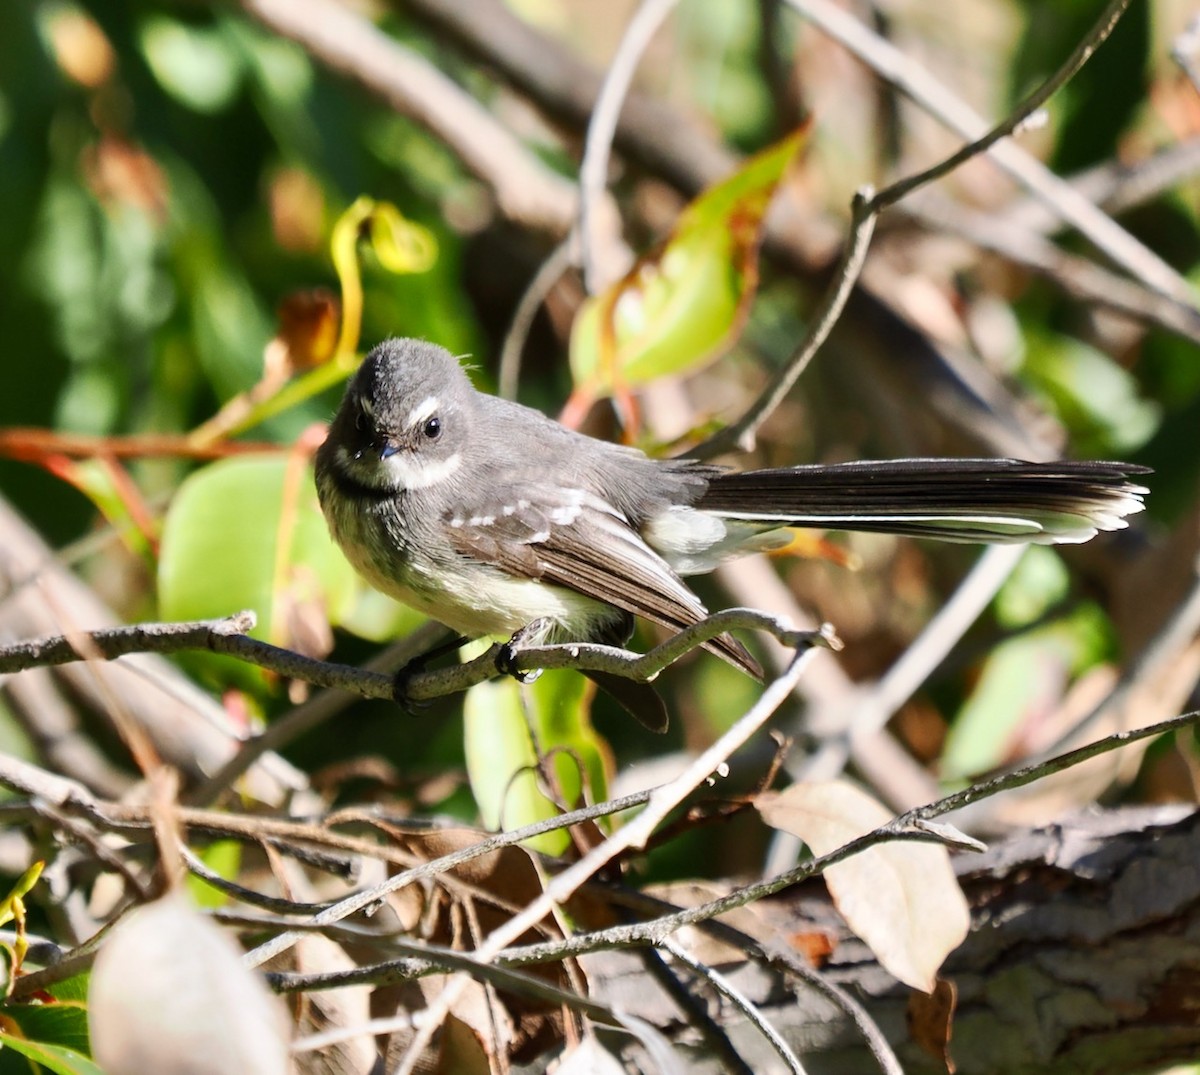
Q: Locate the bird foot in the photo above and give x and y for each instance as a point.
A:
(531, 634)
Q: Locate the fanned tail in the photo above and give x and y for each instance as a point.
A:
(969, 500)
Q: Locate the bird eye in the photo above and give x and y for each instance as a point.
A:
(362, 423)
(432, 428)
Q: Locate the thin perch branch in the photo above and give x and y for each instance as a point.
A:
(113, 642)
(226, 636)
(593, 169)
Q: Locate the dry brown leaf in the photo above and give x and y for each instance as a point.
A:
(930, 1018)
(901, 898)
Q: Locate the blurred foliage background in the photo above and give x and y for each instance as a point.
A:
(171, 172)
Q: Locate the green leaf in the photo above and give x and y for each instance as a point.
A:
(55, 1058)
(74, 988)
(248, 533)
(1040, 582)
(224, 858)
(1023, 677)
(502, 761)
(63, 1025)
(683, 304)
(1099, 400)
(195, 64)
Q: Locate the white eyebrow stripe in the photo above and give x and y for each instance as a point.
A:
(425, 409)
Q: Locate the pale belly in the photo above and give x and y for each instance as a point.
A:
(471, 598)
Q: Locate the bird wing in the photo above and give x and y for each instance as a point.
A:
(576, 540)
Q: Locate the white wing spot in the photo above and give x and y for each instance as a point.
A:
(571, 508)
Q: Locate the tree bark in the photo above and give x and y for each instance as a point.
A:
(1083, 957)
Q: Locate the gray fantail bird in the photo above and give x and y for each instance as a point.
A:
(488, 516)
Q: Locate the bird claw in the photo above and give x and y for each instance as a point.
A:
(417, 665)
(510, 651)
(400, 684)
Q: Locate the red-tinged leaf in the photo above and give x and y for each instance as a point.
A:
(682, 305)
(901, 898)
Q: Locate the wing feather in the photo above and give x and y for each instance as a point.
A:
(579, 542)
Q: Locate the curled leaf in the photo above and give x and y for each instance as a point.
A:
(682, 304)
(401, 246)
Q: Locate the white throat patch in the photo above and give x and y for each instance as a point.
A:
(408, 471)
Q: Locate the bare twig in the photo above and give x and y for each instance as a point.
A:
(435, 958)
(741, 434)
(223, 636)
(113, 817)
(874, 707)
(633, 835)
(362, 900)
(739, 999)
(1185, 50)
(696, 1012)
(867, 204)
(197, 868)
(317, 710)
(593, 169)
(548, 274)
(1019, 115)
(911, 825)
(1078, 277)
(668, 141)
(311, 1043)
(1181, 627)
(1115, 186)
(114, 642)
(107, 856)
(941, 102)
